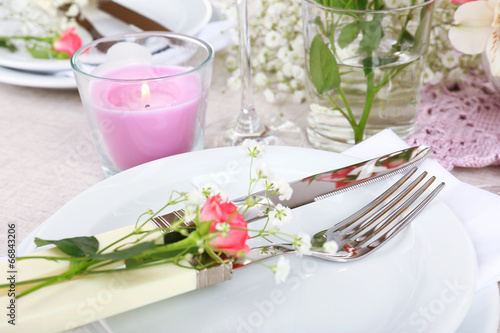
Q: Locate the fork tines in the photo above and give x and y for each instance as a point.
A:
(388, 214)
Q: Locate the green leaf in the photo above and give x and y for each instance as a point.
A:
(125, 253)
(362, 4)
(74, 247)
(323, 66)
(348, 34)
(38, 52)
(7, 44)
(372, 36)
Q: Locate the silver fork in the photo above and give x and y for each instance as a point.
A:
(369, 228)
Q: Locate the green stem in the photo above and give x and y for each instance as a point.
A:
(68, 275)
(359, 130)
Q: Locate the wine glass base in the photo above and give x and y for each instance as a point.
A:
(278, 132)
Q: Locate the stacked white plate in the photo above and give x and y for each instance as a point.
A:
(181, 16)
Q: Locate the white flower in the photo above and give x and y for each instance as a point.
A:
(330, 247)
(456, 74)
(263, 171)
(299, 96)
(210, 189)
(196, 198)
(280, 215)
(302, 243)
(189, 215)
(298, 72)
(283, 188)
(223, 228)
(281, 270)
(284, 53)
(274, 40)
(287, 69)
(231, 63)
(253, 148)
(476, 28)
(449, 59)
(269, 96)
(283, 87)
(431, 77)
(260, 79)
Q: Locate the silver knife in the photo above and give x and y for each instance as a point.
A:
(325, 184)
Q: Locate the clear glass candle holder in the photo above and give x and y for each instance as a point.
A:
(145, 95)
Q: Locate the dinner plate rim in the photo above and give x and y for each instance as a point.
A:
(140, 170)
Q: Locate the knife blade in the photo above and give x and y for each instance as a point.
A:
(325, 184)
(129, 16)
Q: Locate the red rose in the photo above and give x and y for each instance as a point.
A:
(68, 43)
(218, 212)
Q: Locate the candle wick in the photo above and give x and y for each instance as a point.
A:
(147, 106)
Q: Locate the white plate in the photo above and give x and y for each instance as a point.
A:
(420, 280)
(182, 16)
(57, 80)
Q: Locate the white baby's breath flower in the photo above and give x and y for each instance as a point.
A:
(284, 54)
(283, 188)
(456, 74)
(189, 215)
(196, 198)
(330, 247)
(223, 228)
(274, 40)
(260, 79)
(302, 243)
(263, 171)
(299, 96)
(281, 270)
(449, 59)
(269, 96)
(283, 88)
(210, 189)
(231, 63)
(280, 215)
(287, 69)
(253, 148)
(298, 72)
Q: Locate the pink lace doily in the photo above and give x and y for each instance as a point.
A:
(461, 123)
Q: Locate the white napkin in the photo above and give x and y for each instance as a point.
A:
(478, 209)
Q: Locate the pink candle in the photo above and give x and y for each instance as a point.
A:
(146, 120)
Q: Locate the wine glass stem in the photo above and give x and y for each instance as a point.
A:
(248, 123)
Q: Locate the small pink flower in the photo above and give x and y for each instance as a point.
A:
(68, 43)
(218, 212)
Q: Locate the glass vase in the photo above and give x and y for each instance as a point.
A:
(365, 68)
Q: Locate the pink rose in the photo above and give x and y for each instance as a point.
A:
(219, 211)
(460, 2)
(68, 43)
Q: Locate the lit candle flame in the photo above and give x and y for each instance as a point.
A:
(146, 96)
